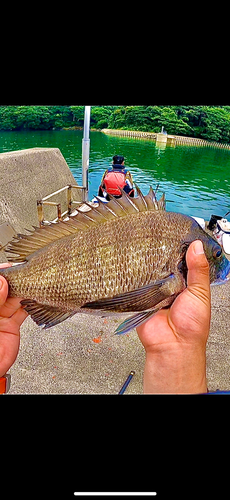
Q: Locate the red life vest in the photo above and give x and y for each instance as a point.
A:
(112, 180)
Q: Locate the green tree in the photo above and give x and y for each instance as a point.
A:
(173, 124)
(208, 122)
(100, 116)
(7, 119)
(216, 124)
(117, 118)
(78, 115)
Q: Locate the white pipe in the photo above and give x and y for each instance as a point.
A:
(85, 151)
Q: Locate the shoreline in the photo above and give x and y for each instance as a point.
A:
(172, 140)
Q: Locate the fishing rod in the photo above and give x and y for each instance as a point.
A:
(126, 383)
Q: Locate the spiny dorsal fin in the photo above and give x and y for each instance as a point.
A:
(140, 200)
(23, 246)
(148, 202)
(162, 202)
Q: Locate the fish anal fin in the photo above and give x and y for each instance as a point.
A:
(140, 299)
(45, 315)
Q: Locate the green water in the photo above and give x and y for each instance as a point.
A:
(196, 180)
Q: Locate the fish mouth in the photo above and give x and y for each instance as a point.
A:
(220, 280)
(227, 278)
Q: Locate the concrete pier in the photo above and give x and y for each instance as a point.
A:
(171, 140)
(81, 355)
(161, 138)
(130, 133)
(25, 177)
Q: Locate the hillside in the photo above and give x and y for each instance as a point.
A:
(207, 122)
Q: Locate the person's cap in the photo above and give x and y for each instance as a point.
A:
(118, 159)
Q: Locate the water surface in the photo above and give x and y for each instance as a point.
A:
(196, 180)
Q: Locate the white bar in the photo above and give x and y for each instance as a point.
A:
(117, 493)
(55, 192)
(86, 122)
(85, 151)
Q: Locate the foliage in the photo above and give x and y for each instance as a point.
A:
(100, 116)
(208, 122)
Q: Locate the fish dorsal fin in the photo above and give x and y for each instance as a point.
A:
(162, 202)
(24, 245)
(148, 202)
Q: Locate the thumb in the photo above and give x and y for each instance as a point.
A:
(198, 281)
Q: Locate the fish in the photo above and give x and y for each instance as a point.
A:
(124, 256)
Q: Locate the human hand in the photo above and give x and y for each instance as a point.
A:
(12, 316)
(175, 338)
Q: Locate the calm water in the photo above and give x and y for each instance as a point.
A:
(196, 180)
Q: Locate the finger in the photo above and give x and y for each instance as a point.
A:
(3, 290)
(198, 280)
(10, 307)
(3, 284)
(6, 264)
(12, 324)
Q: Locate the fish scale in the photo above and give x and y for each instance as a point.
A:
(127, 255)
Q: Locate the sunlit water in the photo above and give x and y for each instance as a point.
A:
(196, 180)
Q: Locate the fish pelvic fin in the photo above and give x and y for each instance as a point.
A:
(45, 315)
(24, 245)
(134, 321)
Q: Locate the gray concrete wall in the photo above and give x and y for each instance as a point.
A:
(29, 175)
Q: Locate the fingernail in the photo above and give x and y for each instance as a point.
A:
(198, 247)
(1, 284)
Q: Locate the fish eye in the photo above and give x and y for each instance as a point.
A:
(217, 253)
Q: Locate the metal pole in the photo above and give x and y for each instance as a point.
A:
(85, 152)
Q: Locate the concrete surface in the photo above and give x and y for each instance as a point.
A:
(27, 176)
(66, 360)
(218, 346)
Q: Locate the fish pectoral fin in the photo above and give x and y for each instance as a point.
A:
(134, 321)
(141, 299)
(45, 315)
